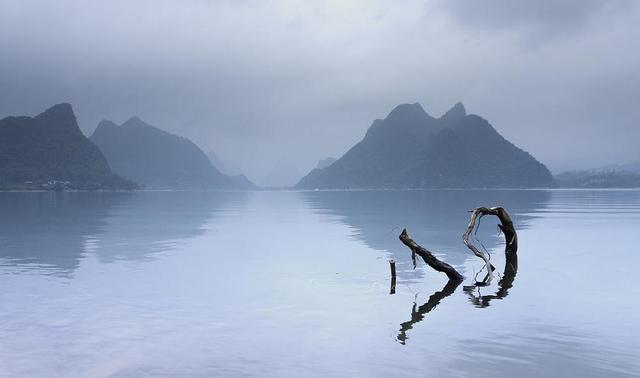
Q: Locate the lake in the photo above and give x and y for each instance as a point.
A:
(298, 284)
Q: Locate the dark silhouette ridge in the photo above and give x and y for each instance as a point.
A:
(411, 149)
(51, 147)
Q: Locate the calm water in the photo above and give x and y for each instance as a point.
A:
(297, 284)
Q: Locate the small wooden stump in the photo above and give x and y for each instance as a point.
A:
(392, 265)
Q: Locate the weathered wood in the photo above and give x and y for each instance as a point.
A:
(392, 265)
(506, 226)
(429, 258)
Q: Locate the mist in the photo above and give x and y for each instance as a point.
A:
(261, 82)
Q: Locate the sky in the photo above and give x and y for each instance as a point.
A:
(266, 83)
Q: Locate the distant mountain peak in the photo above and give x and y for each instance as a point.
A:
(410, 149)
(50, 146)
(408, 112)
(158, 159)
(134, 121)
(107, 123)
(455, 114)
(62, 109)
(60, 115)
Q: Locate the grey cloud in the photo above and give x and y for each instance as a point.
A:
(541, 17)
(265, 81)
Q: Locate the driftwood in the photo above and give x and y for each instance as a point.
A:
(392, 265)
(455, 278)
(429, 258)
(506, 226)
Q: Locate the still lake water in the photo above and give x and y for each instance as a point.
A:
(297, 284)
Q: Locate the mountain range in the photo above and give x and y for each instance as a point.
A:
(412, 149)
(598, 178)
(407, 149)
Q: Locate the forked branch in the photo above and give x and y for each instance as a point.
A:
(506, 226)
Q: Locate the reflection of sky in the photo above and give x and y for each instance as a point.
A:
(272, 286)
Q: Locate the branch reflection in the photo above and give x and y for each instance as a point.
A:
(417, 314)
(505, 283)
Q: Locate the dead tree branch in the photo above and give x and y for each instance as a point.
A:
(429, 258)
(506, 226)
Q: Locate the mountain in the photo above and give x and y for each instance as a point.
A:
(283, 175)
(223, 165)
(51, 147)
(324, 163)
(598, 179)
(157, 159)
(627, 167)
(412, 149)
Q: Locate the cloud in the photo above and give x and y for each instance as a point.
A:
(262, 81)
(542, 18)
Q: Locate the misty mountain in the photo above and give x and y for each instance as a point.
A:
(324, 163)
(283, 175)
(157, 159)
(50, 146)
(223, 165)
(626, 167)
(412, 149)
(598, 179)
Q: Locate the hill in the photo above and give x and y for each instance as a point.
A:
(49, 150)
(412, 149)
(598, 179)
(157, 159)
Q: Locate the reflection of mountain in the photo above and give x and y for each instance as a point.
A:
(435, 218)
(54, 231)
(143, 223)
(49, 230)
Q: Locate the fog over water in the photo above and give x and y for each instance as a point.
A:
(263, 81)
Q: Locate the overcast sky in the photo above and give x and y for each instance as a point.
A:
(262, 81)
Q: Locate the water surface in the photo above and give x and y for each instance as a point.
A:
(297, 284)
